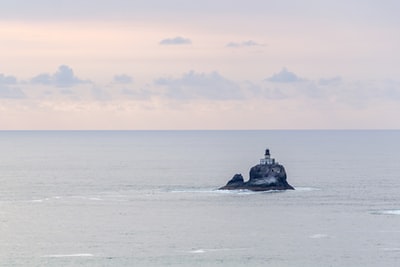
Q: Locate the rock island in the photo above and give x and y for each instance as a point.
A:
(268, 175)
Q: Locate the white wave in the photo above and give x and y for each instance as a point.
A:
(211, 191)
(36, 201)
(239, 192)
(204, 250)
(195, 190)
(388, 212)
(197, 251)
(64, 198)
(318, 236)
(86, 198)
(301, 188)
(249, 192)
(68, 255)
(229, 192)
(39, 200)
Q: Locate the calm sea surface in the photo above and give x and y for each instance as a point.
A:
(149, 198)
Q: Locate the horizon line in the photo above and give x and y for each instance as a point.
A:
(197, 130)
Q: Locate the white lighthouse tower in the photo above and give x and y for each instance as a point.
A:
(267, 160)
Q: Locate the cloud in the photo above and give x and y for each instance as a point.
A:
(141, 94)
(284, 76)
(330, 81)
(175, 41)
(249, 43)
(9, 92)
(123, 78)
(391, 90)
(63, 77)
(6, 87)
(7, 79)
(194, 85)
(331, 92)
(100, 94)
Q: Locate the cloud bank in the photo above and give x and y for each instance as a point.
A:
(9, 92)
(209, 86)
(194, 85)
(123, 79)
(283, 95)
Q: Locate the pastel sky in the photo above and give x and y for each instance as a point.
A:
(178, 64)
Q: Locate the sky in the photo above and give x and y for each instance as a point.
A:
(174, 64)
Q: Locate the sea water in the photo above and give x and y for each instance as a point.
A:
(150, 198)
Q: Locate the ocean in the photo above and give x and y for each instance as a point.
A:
(150, 198)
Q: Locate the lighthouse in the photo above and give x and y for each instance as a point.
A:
(267, 160)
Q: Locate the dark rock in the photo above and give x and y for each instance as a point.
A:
(268, 175)
(236, 181)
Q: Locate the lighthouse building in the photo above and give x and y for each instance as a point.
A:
(267, 160)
